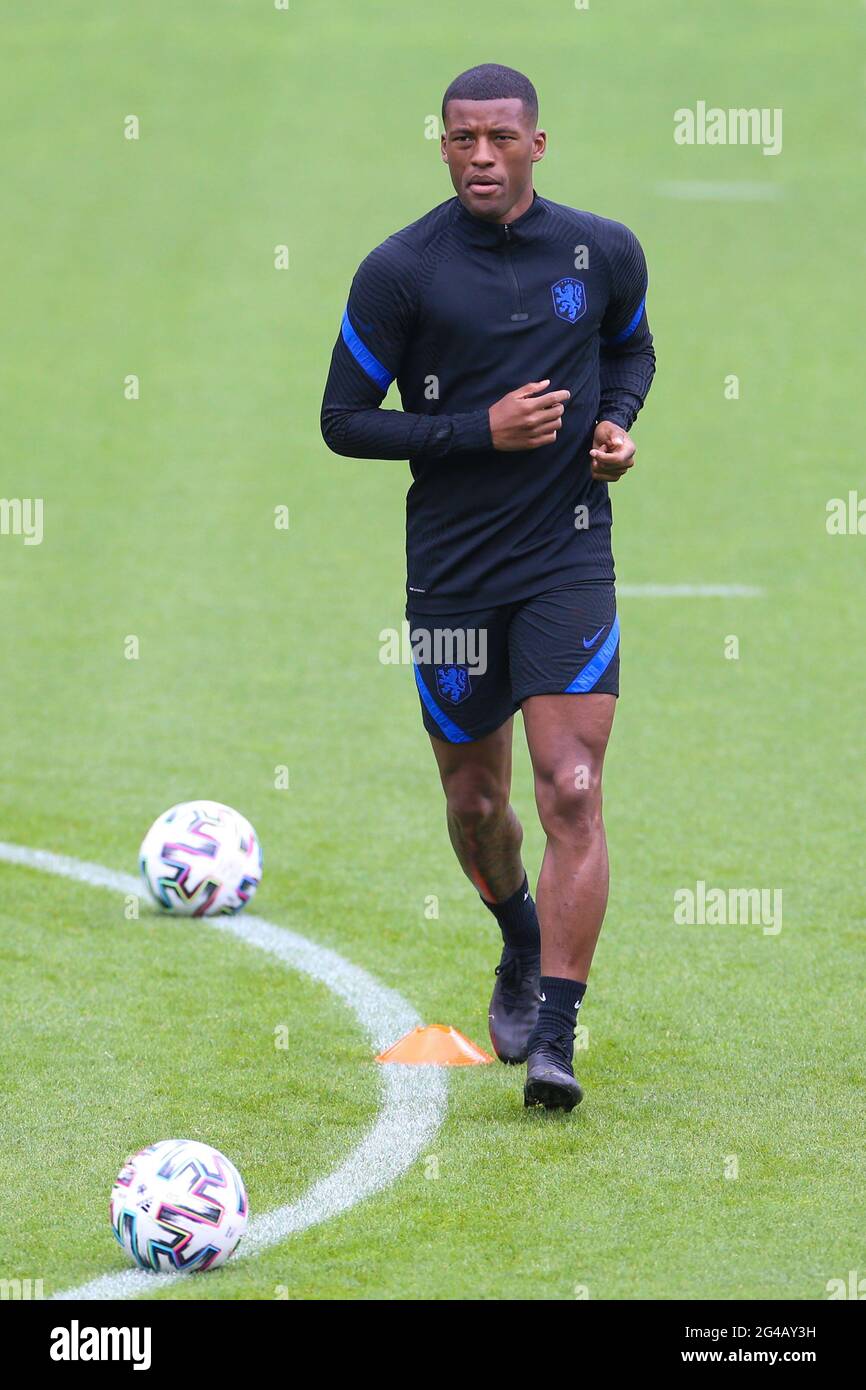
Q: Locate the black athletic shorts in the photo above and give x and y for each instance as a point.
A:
(474, 669)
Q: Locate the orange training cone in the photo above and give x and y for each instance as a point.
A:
(437, 1045)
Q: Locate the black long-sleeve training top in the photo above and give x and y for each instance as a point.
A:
(461, 311)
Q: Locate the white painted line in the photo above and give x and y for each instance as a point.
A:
(413, 1099)
(688, 591)
(707, 191)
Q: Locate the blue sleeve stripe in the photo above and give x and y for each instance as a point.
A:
(629, 328)
(448, 727)
(595, 669)
(363, 356)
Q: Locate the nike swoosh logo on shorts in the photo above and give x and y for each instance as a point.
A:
(594, 639)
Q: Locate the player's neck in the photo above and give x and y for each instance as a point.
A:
(523, 204)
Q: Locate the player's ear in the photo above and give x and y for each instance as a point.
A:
(442, 148)
(539, 145)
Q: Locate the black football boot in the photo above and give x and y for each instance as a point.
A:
(514, 1005)
(550, 1079)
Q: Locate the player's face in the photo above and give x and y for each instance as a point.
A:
(490, 148)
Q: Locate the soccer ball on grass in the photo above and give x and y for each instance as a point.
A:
(201, 858)
(179, 1206)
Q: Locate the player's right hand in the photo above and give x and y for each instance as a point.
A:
(524, 419)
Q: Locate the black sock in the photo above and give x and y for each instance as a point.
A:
(557, 1015)
(518, 921)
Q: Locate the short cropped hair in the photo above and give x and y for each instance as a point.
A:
(490, 82)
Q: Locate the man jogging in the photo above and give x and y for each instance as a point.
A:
(517, 333)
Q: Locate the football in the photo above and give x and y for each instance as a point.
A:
(201, 858)
(179, 1206)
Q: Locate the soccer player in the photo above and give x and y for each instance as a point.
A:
(517, 333)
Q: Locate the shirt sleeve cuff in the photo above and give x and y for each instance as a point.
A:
(622, 411)
(473, 431)
(617, 416)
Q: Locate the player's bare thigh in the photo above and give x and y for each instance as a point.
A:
(477, 771)
(567, 737)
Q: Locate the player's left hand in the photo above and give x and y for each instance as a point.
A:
(612, 452)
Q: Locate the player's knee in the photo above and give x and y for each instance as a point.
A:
(475, 802)
(569, 805)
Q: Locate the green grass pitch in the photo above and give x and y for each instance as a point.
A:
(259, 648)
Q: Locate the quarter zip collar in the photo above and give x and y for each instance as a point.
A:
(483, 233)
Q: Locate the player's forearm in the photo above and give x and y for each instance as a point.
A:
(625, 375)
(369, 432)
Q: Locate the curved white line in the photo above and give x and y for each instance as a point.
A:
(413, 1098)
